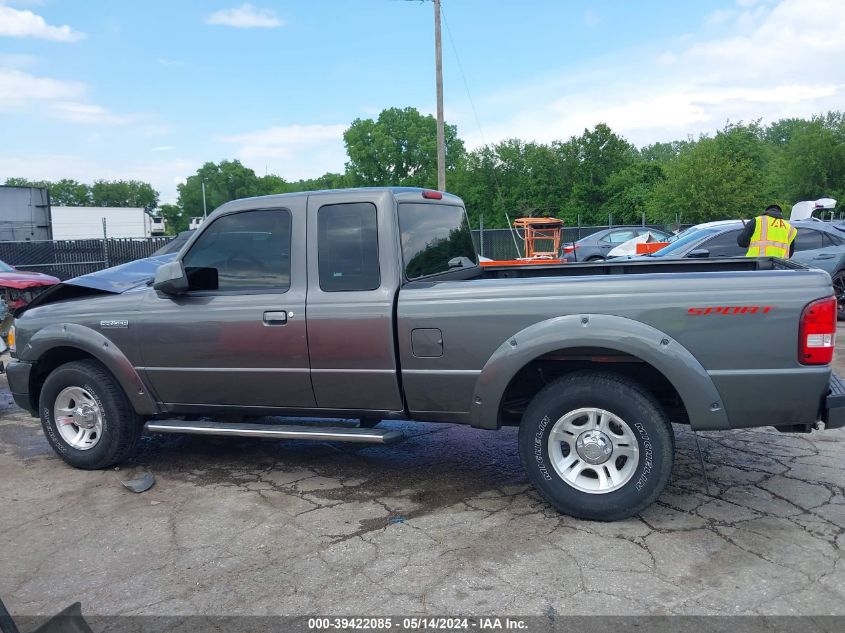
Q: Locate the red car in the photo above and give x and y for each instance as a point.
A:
(19, 287)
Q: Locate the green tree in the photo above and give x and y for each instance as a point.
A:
(224, 181)
(177, 220)
(512, 177)
(271, 184)
(123, 193)
(663, 153)
(710, 180)
(627, 191)
(326, 181)
(63, 193)
(399, 148)
(598, 154)
(70, 193)
(812, 164)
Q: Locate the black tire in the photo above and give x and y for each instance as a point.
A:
(838, 280)
(622, 397)
(121, 426)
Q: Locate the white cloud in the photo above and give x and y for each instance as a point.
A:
(770, 61)
(88, 113)
(246, 16)
(19, 88)
(25, 23)
(54, 98)
(293, 152)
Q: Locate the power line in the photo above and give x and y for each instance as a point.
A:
(463, 77)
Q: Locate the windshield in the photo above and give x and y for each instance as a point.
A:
(433, 236)
(690, 235)
(5, 268)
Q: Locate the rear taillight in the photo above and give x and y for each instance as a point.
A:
(817, 333)
(570, 249)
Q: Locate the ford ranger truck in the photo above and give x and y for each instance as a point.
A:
(370, 304)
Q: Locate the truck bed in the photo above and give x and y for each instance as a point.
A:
(736, 318)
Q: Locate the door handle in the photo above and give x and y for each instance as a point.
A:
(824, 256)
(276, 317)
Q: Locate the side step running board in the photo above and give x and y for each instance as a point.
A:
(276, 431)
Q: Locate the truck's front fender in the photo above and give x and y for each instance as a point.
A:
(700, 396)
(85, 339)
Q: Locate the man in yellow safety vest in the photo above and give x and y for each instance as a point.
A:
(768, 235)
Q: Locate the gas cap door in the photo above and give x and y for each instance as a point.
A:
(427, 342)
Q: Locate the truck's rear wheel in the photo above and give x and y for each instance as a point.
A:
(596, 446)
(86, 416)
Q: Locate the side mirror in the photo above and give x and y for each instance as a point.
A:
(171, 279)
(699, 253)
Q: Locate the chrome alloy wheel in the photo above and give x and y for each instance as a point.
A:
(78, 417)
(593, 450)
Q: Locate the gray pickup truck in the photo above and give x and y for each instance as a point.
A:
(371, 304)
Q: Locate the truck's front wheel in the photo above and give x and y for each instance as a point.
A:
(86, 416)
(597, 446)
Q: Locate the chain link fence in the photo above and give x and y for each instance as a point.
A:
(70, 258)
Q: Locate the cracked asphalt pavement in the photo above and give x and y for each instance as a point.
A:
(443, 523)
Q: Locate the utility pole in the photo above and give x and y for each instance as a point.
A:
(441, 135)
(204, 210)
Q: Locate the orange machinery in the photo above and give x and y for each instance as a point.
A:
(538, 234)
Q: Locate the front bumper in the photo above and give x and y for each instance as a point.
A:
(18, 373)
(833, 412)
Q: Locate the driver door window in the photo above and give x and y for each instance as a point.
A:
(242, 252)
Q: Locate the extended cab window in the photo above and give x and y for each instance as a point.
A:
(435, 238)
(243, 251)
(347, 244)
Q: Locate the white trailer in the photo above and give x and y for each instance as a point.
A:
(81, 223)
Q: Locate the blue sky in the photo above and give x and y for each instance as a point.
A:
(152, 89)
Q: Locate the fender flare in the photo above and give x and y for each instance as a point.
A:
(94, 343)
(692, 382)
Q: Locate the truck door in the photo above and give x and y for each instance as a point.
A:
(237, 337)
(353, 278)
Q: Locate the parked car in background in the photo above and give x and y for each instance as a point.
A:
(18, 287)
(818, 244)
(596, 247)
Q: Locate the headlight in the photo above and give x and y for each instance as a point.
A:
(10, 339)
